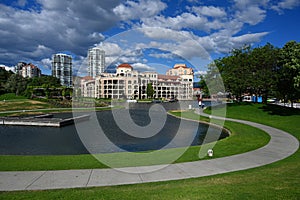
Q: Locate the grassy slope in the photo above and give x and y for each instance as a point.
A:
(12, 102)
(279, 180)
(10, 97)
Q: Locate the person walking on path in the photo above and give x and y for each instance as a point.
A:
(199, 98)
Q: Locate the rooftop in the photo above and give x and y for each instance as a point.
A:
(176, 66)
(125, 65)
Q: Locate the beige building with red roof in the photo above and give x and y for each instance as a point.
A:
(128, 83)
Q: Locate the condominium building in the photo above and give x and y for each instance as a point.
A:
(30, 71)
(27, 70)
(96, 61)
(62, 68)
(128, 83)
(19, 66)
(180, 70)
(88, 87)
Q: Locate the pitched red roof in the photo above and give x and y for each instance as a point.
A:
(125, 65)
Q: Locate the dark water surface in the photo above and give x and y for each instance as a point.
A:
(26, 140)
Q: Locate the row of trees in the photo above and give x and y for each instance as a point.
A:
(39, 86)
(265, 71)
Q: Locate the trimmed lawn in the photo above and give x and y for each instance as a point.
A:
(286, 119)
(10, 97)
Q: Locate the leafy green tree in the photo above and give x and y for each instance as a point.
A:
(16, 84)
(203, 85)
(50, 81)
(289, 72)
(212, 81)
(150, 91)
(235, 71)
(4, 75)
(263, 66)
(247, 71)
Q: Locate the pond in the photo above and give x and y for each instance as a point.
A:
(26, 140)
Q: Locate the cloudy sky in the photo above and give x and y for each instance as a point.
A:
(145, 33)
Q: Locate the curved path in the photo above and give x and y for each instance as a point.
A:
(281, 145)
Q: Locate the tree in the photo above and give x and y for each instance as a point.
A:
(150, 90)
(44, 83)
(50, 81)
(203, 85)
(289, 72)
(4, 75)
(16, 84)
(249, 71)
(212, 81)
(235, 71)
(263, 64)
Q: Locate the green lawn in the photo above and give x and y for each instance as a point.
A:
(10, 97)
(279, 180)
(10, 102)
(286, 119)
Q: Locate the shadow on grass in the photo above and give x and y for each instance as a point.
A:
(270, 109)
(235, 104)
(280, 110)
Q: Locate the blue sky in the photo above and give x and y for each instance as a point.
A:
(149, 34)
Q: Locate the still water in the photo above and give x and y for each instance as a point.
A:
(26, 140)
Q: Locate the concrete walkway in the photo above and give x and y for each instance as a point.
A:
(280, 146)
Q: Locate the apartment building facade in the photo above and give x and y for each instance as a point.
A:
(27, 70)
(96, 61)
(128, 83)
(62, 68)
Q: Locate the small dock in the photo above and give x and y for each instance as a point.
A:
(42, 120)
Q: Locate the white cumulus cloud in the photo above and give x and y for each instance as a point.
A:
(142, 67)
(286, 4)
(131, 10)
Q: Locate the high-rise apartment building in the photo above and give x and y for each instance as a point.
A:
(62, 68)
(96, 61)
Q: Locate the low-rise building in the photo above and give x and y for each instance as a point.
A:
(88, 87)
(128, 83)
